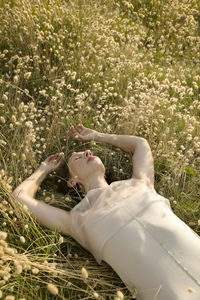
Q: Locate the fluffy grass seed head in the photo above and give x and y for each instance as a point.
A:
(61, 240)
(5, 97)
(96, 295)
(84, 273)
(52, 289)
(27, 75)
(120, 295)
(35, 271)
(22, 239)
(3, 120)
(3, 235)
(16, 79)
(19, 269)
(10, 297)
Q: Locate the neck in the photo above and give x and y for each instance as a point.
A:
(94, 183)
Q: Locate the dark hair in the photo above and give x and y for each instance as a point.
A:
(63, 175)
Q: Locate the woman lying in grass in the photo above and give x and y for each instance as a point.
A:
(126, 224)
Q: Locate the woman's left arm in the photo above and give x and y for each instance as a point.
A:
(143, 166)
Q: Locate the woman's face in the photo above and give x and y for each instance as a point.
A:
(84, 165)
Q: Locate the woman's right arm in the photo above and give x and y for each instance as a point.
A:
(46, 215)
(138, 147)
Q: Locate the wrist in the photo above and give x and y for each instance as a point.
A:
(98, 136)
(44, 169)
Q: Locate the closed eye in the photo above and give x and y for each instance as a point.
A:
(77, 158)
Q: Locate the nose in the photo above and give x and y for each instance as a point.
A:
(87, 153)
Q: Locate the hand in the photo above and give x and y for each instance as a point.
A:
(53, 162)
(82, 133)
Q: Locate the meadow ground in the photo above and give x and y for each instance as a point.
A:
(127, 67)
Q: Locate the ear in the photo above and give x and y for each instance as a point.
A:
(71, 183)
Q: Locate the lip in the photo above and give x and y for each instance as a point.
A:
(91, 158)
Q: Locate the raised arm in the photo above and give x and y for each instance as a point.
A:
(46, 215)
(143, 167)
(139, 148)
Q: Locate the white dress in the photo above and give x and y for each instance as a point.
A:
(132, 228)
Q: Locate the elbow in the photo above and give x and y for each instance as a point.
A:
(15, 193)
(142, 142)
(139, 143)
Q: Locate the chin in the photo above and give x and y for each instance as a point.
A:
(98, 161)
(101, 165)
(98, 165)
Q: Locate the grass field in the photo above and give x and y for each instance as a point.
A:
(126, 67)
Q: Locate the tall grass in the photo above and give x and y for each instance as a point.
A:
(128, 67)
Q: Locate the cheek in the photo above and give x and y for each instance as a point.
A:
(74, 168)
(78, 168)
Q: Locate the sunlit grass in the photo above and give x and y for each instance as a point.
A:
(127, 67)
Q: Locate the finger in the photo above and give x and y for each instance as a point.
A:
(50, 157)
(56, 160)
(54, 156)
(80, 126)
(79, 129)
(71, 133)
(73, 130)
(76, 132)
(60, 155)
(77, 136)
